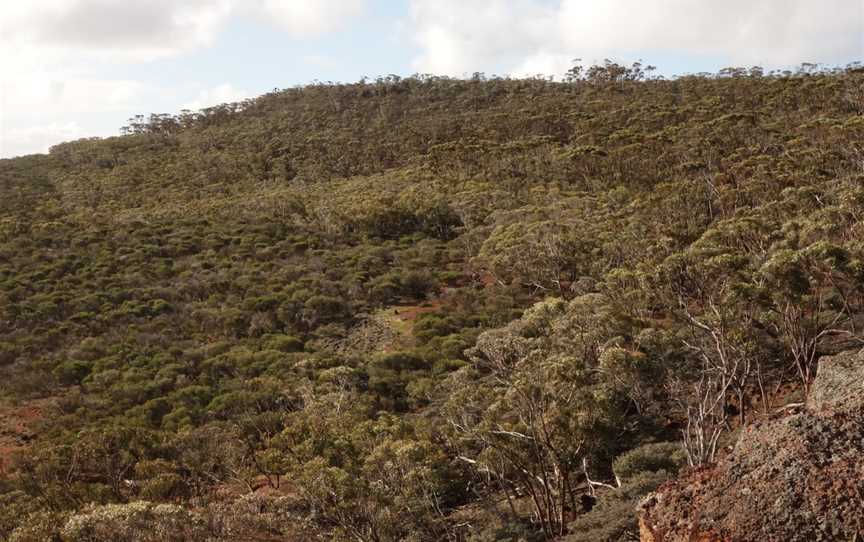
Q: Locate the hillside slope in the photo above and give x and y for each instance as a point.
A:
(423, 308)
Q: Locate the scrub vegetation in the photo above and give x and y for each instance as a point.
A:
(423, 308)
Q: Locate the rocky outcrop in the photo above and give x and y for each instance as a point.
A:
(797, 478)
(839, 384)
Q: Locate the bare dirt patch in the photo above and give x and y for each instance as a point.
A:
(17, 427)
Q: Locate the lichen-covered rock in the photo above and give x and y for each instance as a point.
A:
(840, 383)
(798, 478)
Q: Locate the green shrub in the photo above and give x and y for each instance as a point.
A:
(72, 372)
(447, 365)
(134, 522)
(8, 353)
(284, 343)
(323, 309)
(416, 284)
(654, 457)
(613, 518)
(399, 362)
(496, 529)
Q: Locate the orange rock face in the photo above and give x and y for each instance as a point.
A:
(645, 532)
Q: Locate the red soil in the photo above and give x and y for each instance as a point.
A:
(16, 428)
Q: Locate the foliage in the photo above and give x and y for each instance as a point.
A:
(419, 308)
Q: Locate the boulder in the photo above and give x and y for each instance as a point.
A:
(839, 384)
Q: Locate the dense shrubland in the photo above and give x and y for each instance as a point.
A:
(582, 286)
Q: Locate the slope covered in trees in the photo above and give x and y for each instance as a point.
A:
(420, 309)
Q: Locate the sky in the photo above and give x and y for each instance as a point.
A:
(81, 68)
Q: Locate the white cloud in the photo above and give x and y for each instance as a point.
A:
(460, 36)
(33, 139)
(149, 29)
(112, 29)
(323, 62)
(154, 28)
(304, 18)
(58, 58)
(542, 36)
(53, 95)
(224, 93)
